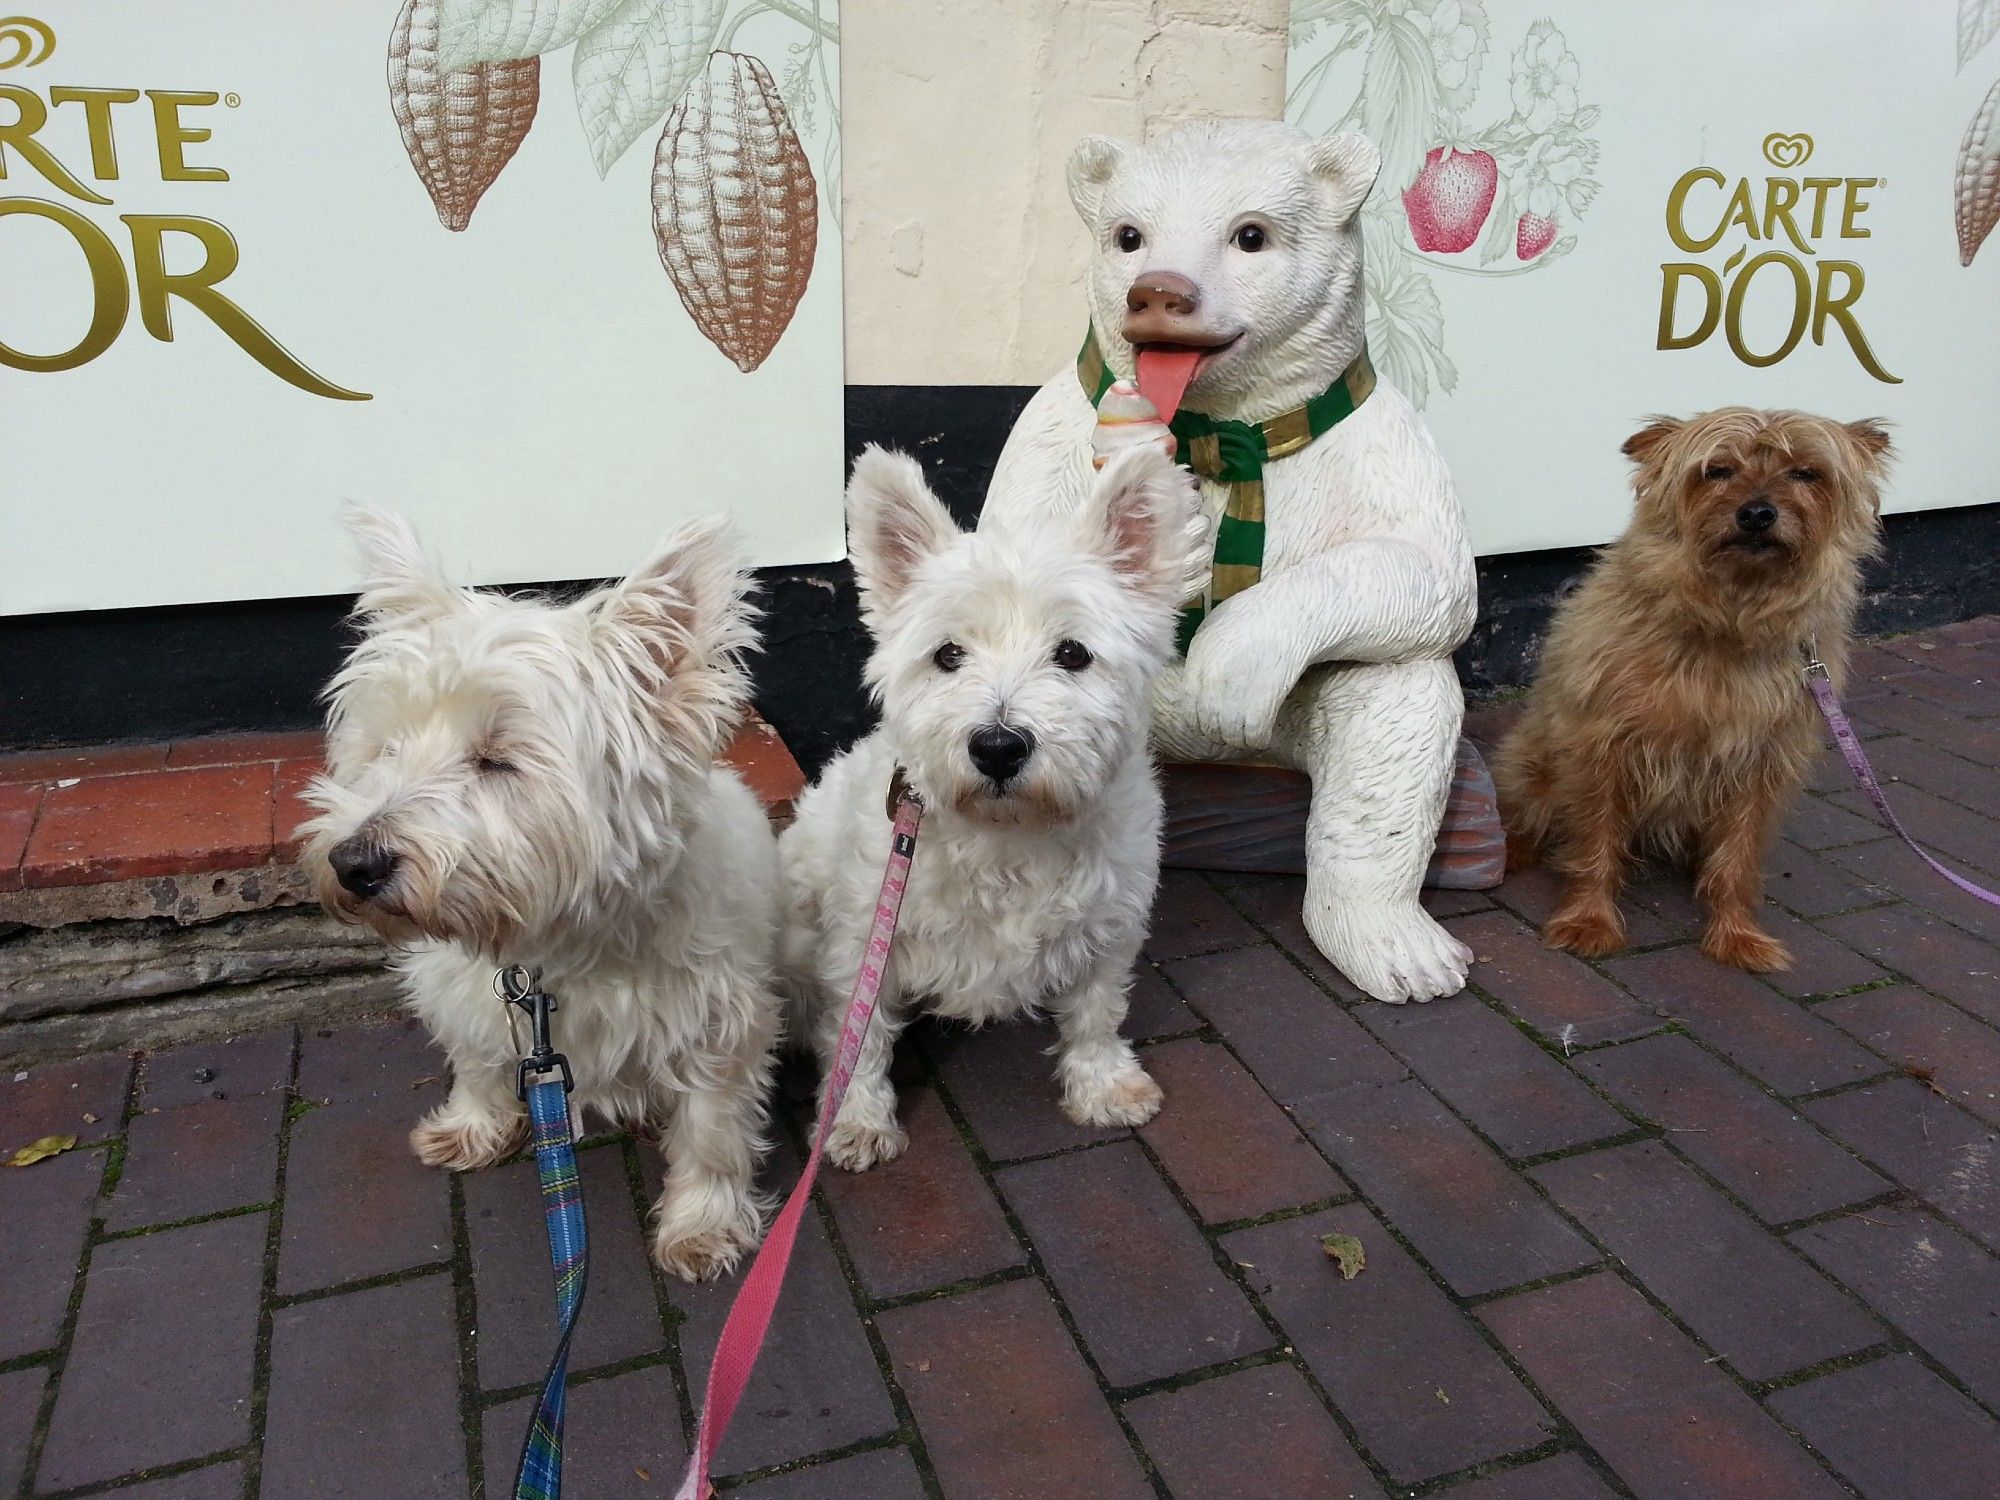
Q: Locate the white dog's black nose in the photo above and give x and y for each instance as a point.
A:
(361, 865)
(1000, 752)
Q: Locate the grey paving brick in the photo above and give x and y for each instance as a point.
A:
(1385, 1344)
(45, 1225)
(1944, 1155)
(1757, 1147)
(199, 1158)
(228, 1068)
(1743, 1293)
(1519, 1097)
(1148, 1299)
(1642, 1395)
(1924, 1277)
(161, 1361)
(1894, 1428)
(1252, 1435)
(364, 1396)
(358, 1203)
(1473, 1219)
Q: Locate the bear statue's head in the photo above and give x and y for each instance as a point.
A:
(1225, 257)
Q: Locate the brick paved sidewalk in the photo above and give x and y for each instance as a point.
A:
(1643, 1227)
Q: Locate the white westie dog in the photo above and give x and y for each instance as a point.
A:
(1013, 674)
(513, 782)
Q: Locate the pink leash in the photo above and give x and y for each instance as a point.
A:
(1820, 684)
(750, 1315)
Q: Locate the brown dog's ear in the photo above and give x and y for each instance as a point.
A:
(1642, 444)
(1872, 433)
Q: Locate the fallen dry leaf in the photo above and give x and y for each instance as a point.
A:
(1345, 1251)
(42, 1150)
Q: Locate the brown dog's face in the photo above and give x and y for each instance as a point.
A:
(1756, 496)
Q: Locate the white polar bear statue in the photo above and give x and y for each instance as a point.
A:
(1226, 259)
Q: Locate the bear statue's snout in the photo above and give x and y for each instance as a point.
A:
(1164, 307)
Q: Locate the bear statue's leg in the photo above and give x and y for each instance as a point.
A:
(1378, 741)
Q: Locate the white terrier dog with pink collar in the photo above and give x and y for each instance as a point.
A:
(1014, 675)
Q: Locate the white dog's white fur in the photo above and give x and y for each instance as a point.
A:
(1035, 891)
(1338, 662)
(544, 779)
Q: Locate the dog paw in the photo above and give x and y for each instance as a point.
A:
(458, 1144)
(1589, 934)
(859, 1144)
(1746, 948)
(1392, 951)
(699, 1234)
(1129, 1097)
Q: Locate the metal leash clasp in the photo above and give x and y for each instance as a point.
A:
(520, 986)
(1814, 666)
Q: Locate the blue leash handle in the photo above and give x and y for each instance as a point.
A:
(539, 1476)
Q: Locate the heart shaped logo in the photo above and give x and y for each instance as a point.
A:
(1787, 151)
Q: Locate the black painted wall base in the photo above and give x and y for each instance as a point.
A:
(148, 674)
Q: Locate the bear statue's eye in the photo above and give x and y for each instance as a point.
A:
(1250, 238)
(949, 657)
(1718, 472)
(1128, 238)
(1806, 475)
(1072, 656)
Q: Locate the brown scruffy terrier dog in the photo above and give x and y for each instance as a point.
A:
(1669, 719)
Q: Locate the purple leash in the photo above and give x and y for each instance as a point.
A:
(1820, 684)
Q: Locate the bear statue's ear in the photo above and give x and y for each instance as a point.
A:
(1091, 164)
(1345, 165)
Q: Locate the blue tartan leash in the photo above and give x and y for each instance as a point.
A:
(539, 1476)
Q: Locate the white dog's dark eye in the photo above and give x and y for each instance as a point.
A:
(1128, 238)
(1718, 472)
(949, 657)
(1806, 476)
(493, 765)
(1072, 656)
(1250, 238)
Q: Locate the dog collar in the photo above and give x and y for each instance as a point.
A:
(1234, 453)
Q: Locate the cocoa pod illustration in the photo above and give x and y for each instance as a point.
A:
(459, 128)
(1977, 188)
(735, 208)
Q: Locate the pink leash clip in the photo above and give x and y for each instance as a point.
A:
(757, 1299)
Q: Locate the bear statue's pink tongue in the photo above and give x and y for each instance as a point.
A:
(1164, 373)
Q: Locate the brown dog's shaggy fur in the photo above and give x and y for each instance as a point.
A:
(1669, 718)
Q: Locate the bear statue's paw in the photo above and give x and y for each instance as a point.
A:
(1391, 950)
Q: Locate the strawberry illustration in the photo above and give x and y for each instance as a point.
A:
(1532, 235)
(1450, 199)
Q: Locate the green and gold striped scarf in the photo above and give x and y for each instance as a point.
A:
(1234, 453)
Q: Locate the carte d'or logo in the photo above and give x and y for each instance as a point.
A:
(123, 132)
(1779, 284)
